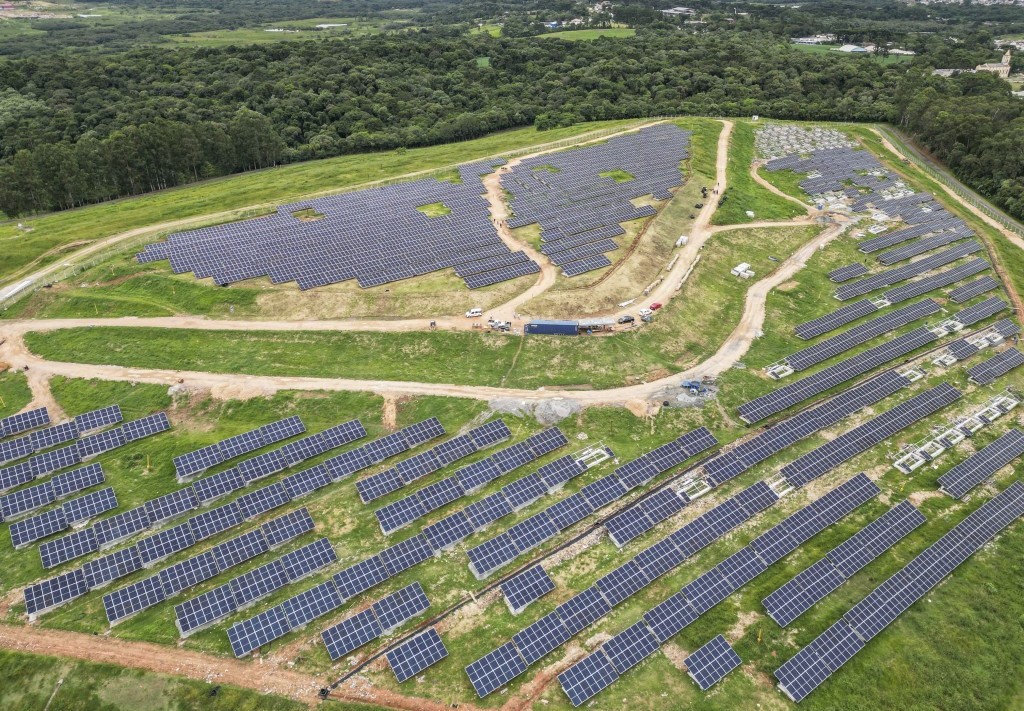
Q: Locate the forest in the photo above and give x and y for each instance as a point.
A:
(84, 127)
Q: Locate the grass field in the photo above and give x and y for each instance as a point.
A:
(293, 30)
(585, 35)
(14, 393)
(54, 235)
(742, 193)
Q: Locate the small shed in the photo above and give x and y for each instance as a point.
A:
(549, 327)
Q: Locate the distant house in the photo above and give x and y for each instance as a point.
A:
(814, 39)
(1000, 69)
(852, 48)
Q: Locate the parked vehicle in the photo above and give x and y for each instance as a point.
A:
(655, 306)
(626, 319)
(645, 314)
(474, 313)
(699, 205)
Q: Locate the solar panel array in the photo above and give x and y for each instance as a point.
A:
(878, 429)
(428, 462)
(980, 311)
(921, 246)
(898, 274)
(833, 346)
(813, 584)
(501, 550)
(498, 667)
(983, 464)
(192, 463)
(817, 661)
(526, 587)
(61, 486)
(168, 582)
(410, 658)
(624, 651)
(709, 664)
(790, 431)
(87, 447)
(23, 422)
(935, 281)
(472, 477)
(826, 379)
(578, 209)
(971, 289)
(74, 511)
(54, 435)
(375, 621)
(376, 236)
(996, 366)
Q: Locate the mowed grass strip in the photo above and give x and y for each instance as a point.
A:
(14, 392)
(52, 233)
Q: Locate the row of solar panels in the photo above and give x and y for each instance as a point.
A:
(47, 437)
(613, 658)
(82, 450)
(545, 525)
(498, 667)
(48, 594)
(827, 653)
(59, 487)
(475, 476)
(24, 421)
(375, 621)
(192, 463)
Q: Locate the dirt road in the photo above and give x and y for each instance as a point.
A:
(772, 189)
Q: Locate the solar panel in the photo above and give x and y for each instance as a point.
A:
(670, 617)
(186, 465)
(125, 602)
(342, 434)
(170, 505)
(240, 444)
(210, 523)
(253, 633)
(487, 510)
(454, 449)
(410, 658)
(51, 436)
(95, 419)
(379, 485)
(54, 460)
(16, 448)
(493, 554)
(525, 587)
(260, 466)
(258, 582)
(569, 511)
(424, 431)
(524, 491)
(217, 485)
(102, 570)
(188, 573)
(205, 609)
(48, 594)
(351, 634)
(239, 549)
(286, 527)
(310, 604)
(966, 475)
(532, 532)
(587, 678)
(623, 582)
(996, 366)
(490, 433)
(399, 514)
(24, 421)
(658, 559)
(440, 493)
(145, 427)
(583, 609)
(980, 311)
(302, 561)
(630, 647)
(709, 664)
(406, 554)
(806, 670)
(558, 472)
(361, 577)
(495, 669)
(89, 505)
(77, 480)
(448, 531)
(262, 500)
(393, 610)
(831, 321)
(74, 545)
(99, 443)
(122, 525)
(165, 543)
(24, 500)
(21, 473)
(282, 429)
(604, 491)
(971, 289)
(347, 463)
(543, 636)
(848, 272)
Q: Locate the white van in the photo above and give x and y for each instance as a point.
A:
(474, 313)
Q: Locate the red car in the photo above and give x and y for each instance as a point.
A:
(655, 306)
